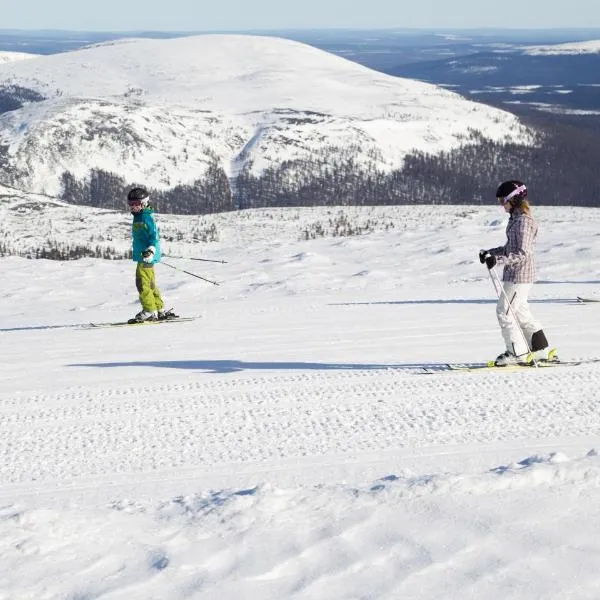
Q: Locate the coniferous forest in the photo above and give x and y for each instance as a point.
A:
(560, 169)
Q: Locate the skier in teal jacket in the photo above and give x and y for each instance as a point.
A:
(146, 253)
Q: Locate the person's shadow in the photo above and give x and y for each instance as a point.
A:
(233, 366)
(452, 301)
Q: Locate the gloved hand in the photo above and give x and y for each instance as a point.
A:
(482, 256)
(490, 261)
(148, 254)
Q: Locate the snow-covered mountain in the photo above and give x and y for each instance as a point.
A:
(587, 47)
(160, 111)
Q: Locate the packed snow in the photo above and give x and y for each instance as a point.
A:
(287, 443)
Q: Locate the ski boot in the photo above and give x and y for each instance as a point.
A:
(543, 356)
(505, 359)
(143, 316)
(167, 315)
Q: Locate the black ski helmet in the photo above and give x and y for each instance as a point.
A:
(512, 191)
(138, 194)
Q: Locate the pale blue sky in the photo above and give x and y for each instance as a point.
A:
(211, 15)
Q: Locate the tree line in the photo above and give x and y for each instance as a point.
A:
(560, 169)
(53, 250)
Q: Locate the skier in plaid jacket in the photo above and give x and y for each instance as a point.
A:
(525, 334)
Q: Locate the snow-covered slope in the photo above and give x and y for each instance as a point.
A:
(587, 47)
(6, 57)
(286, 446)
(159, 110)
(29, 222)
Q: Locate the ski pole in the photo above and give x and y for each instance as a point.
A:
(501, 291)
(188, 273)
(202, 259)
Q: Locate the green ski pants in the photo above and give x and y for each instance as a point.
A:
(145, 282)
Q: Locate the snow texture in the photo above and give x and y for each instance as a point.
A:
(284, 445)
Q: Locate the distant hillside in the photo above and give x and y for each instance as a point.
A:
(216, 122)
(12, 56)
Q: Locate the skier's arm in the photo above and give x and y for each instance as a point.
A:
(151, 232)
(499, 251)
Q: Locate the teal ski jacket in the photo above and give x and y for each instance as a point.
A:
(145, 233)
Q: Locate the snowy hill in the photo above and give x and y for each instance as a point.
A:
(30, 222)
(159, 111)
(288, 444)
(6, 57)
(570, 48)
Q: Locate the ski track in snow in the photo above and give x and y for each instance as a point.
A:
(134, 431)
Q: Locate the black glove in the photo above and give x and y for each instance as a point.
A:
(482, 256)
(490, 261)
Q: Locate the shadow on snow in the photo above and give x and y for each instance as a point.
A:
(38, 327)
(454, 301)
(233, 366)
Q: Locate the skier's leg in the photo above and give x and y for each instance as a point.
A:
(511, 332)
(532, 328)
(529, 324)
(158, 301)
(144, 281)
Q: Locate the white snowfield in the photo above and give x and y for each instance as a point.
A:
(286, 445)
(6, 57)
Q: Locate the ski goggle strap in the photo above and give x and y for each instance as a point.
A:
(136, 202)
(516, 192)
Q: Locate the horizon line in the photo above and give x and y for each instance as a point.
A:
(299, 29)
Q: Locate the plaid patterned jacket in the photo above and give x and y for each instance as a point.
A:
(517, 255)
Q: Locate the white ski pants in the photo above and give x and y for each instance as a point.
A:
(516, 294)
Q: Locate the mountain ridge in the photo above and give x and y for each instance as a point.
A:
(162, 111)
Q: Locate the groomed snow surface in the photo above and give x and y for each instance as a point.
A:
(284, 445)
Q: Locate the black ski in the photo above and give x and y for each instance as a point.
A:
(132, 323)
